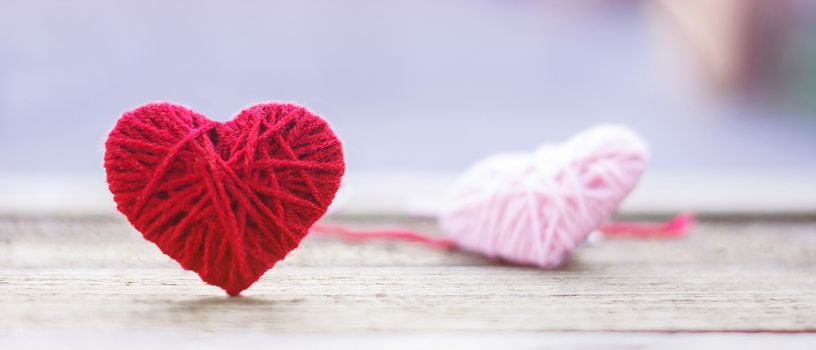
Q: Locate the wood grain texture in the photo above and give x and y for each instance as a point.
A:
(97, 273)
(248, 340)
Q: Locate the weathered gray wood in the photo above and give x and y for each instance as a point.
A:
(249, 340)
(97, 273)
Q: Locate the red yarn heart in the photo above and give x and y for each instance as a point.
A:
(229, 200)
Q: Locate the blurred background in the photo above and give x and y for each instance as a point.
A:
(724, 91)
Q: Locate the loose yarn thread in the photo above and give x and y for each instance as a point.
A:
(676, 227)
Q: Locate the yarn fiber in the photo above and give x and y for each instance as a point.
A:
(536, 208)
(229, 200)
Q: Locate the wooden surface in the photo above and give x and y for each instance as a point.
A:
(74, 276)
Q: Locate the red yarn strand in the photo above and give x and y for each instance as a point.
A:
(355, 235)
(674, 228)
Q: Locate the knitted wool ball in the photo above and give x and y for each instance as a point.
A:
(536, 208)
(226, 200)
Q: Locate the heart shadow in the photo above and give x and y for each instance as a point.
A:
(223, 303)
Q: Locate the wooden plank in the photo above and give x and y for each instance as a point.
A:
(99, 274)
(248, 340)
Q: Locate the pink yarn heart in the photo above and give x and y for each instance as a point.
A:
(536, 208)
